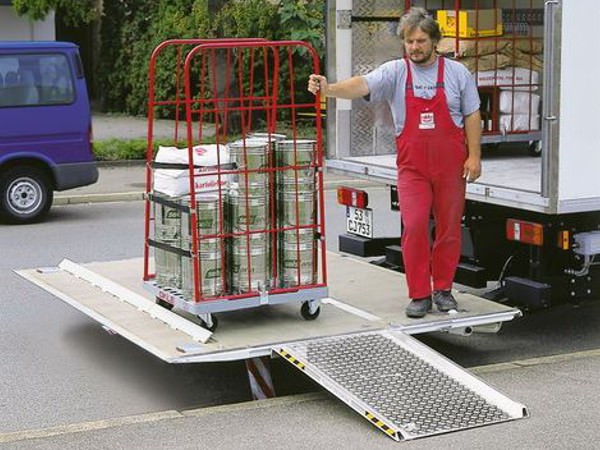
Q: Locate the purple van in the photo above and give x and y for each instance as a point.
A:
(45, 127)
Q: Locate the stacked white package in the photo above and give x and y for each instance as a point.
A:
(175, 182)
(519, 102)
(519, 122)
(517, 78)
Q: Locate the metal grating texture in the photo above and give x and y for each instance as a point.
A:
(404, 394)
(376, 7)
(373, 43)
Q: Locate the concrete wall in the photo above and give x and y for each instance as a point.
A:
(15, 28)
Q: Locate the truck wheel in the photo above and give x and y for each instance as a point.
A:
(26, 194)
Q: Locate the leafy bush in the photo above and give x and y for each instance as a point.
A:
(131, 29)
(117, 149)
(75, 13)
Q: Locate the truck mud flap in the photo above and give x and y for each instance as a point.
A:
(401, 386)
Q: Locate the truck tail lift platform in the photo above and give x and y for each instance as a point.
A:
(360, 348)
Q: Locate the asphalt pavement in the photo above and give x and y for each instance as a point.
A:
(561, 392)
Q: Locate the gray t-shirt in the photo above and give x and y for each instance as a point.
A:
(387, 82)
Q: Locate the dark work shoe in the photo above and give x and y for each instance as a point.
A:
(444, 300)
(418, 307)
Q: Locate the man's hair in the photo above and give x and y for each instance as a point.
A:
(419, 18)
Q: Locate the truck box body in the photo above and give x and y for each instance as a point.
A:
(540, 139)
(563, 180)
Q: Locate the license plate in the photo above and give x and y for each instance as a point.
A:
(359, 221)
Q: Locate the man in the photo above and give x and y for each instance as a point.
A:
(435, 107)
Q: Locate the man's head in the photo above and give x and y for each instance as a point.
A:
(420, 34)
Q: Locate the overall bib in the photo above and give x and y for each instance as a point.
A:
(430, 160)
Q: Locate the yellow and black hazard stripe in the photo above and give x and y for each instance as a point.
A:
(290, 358)
(379, 424)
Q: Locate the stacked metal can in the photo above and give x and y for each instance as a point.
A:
(248, 217)
(167, 231)
(211, 246)
(296, 211)
(239, 227)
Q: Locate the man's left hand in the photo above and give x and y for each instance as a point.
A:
(472, 169)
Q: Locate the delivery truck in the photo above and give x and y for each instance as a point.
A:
(532, 221)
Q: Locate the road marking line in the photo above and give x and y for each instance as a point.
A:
(530, 362)
(87, 426)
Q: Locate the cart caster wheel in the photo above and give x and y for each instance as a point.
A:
(164, 304)
(306, 314)
(212, 327)
(535, 148)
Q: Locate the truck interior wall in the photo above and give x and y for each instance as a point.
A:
(366, 139)
(374, 41)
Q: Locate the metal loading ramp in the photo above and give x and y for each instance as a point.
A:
(401, 386)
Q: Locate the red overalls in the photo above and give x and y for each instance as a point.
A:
(431, 155)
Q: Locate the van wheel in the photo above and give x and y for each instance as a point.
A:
(26, 194)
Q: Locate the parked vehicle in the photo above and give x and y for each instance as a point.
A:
(45, 127)
(531, 223)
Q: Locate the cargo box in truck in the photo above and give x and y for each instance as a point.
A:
(532, 221)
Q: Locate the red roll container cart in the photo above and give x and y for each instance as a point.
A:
(234, 214)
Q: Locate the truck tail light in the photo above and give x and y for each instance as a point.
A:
(352, 197)
(526, 232)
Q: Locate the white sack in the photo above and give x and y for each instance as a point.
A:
(519, 102)
(519, 122)
(176, 182)
(504, 78)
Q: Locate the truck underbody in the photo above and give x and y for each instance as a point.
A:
(527, 275)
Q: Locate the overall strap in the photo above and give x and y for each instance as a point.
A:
(408, 86)
(440, 76)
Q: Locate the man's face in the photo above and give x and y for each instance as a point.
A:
(419, 47)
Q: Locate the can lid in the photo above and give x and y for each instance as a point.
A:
(288, 145)
(267, 136)
(250, 142)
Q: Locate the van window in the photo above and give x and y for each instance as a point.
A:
(35, 80)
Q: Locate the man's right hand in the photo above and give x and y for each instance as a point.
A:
(317, 83)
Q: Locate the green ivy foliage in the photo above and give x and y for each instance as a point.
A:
(131, 29)
(74, 12)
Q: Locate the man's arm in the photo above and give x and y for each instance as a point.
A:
(472, 167)
(351, 88)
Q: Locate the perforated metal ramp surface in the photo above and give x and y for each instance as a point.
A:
(401, 386)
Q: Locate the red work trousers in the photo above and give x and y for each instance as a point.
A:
(430, 182)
